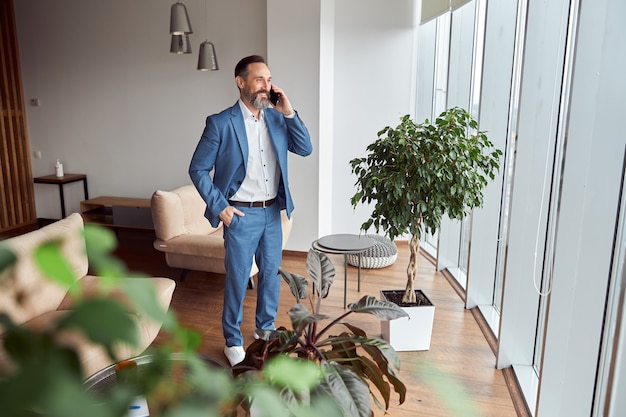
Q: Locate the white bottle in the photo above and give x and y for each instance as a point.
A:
(58, 169)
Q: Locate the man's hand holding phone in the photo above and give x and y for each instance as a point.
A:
(274, 96)
(280, 101)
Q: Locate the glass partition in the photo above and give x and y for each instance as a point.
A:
(545, 255)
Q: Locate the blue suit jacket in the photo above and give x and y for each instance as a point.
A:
(223, 148)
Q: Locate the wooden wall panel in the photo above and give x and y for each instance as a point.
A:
(17, 201)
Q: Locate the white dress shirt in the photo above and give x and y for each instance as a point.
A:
(262, 170)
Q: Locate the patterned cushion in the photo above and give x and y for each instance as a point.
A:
(383, 253)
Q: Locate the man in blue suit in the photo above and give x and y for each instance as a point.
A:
(246, 147)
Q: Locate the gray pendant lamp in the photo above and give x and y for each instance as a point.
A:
(207, 60)
(180, 44)
(179, 20)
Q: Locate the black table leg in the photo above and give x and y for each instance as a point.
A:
(85, 189)
(62, 201)
(359, 274)
(345, 279)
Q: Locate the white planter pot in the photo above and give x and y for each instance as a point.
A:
(413, 332)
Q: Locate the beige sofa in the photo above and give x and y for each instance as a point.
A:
(186, 236)
(33, 300)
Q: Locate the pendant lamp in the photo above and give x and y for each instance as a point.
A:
(180, 44)
(207, 60)
(179, 20)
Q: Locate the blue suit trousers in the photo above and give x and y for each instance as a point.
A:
(258, 234)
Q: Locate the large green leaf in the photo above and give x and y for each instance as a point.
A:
(380, 350)
(301, 317)
(209, 379)
(288, 339)
(343, 349)
(371, 371)
(7, 258)
(345, 353)
(28, 348)
(187, 339)
(297, 284)
(105, 321)
(51, 261)
(99, 240)
(322, 272)
(266, 402)
(384, 310)
(349, 390)
(145, 299)
(297, 374)
(45, 384)
(100, 243)
(354, 329)
(382, 358)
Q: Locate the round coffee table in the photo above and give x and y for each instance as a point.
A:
(104, 379)
(344, 244)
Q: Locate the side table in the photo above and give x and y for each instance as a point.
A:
(118, 212)
(61, 181)
(344, 244)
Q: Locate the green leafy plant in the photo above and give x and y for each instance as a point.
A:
(417, 173)
(43, 376)
(351, 363)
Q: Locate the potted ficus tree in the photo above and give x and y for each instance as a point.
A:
(416, 173)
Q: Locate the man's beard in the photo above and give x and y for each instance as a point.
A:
(258, 103)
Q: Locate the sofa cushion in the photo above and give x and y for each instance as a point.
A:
(208, 246)
(91, 285)
(179, 212)
(167, 215)
(25, 292)
(193, 209)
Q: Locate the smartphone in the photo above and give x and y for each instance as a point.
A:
(274, 96)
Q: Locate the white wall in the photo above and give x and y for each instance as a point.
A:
(373, 74)
(117, 106)
(354, 61)
(294, 56)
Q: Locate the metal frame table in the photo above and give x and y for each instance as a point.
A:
(61, 181)
(344, 244)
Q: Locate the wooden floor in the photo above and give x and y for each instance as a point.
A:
(456, 377)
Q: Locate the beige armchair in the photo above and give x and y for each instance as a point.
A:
(186, 236)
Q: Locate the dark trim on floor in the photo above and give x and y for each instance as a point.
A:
(512, 383)
(460, 291)
(485, 328)
(432, 259)
(296, 253)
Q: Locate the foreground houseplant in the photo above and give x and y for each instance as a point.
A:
(42, 376)
(417, 173)
(352, 364)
